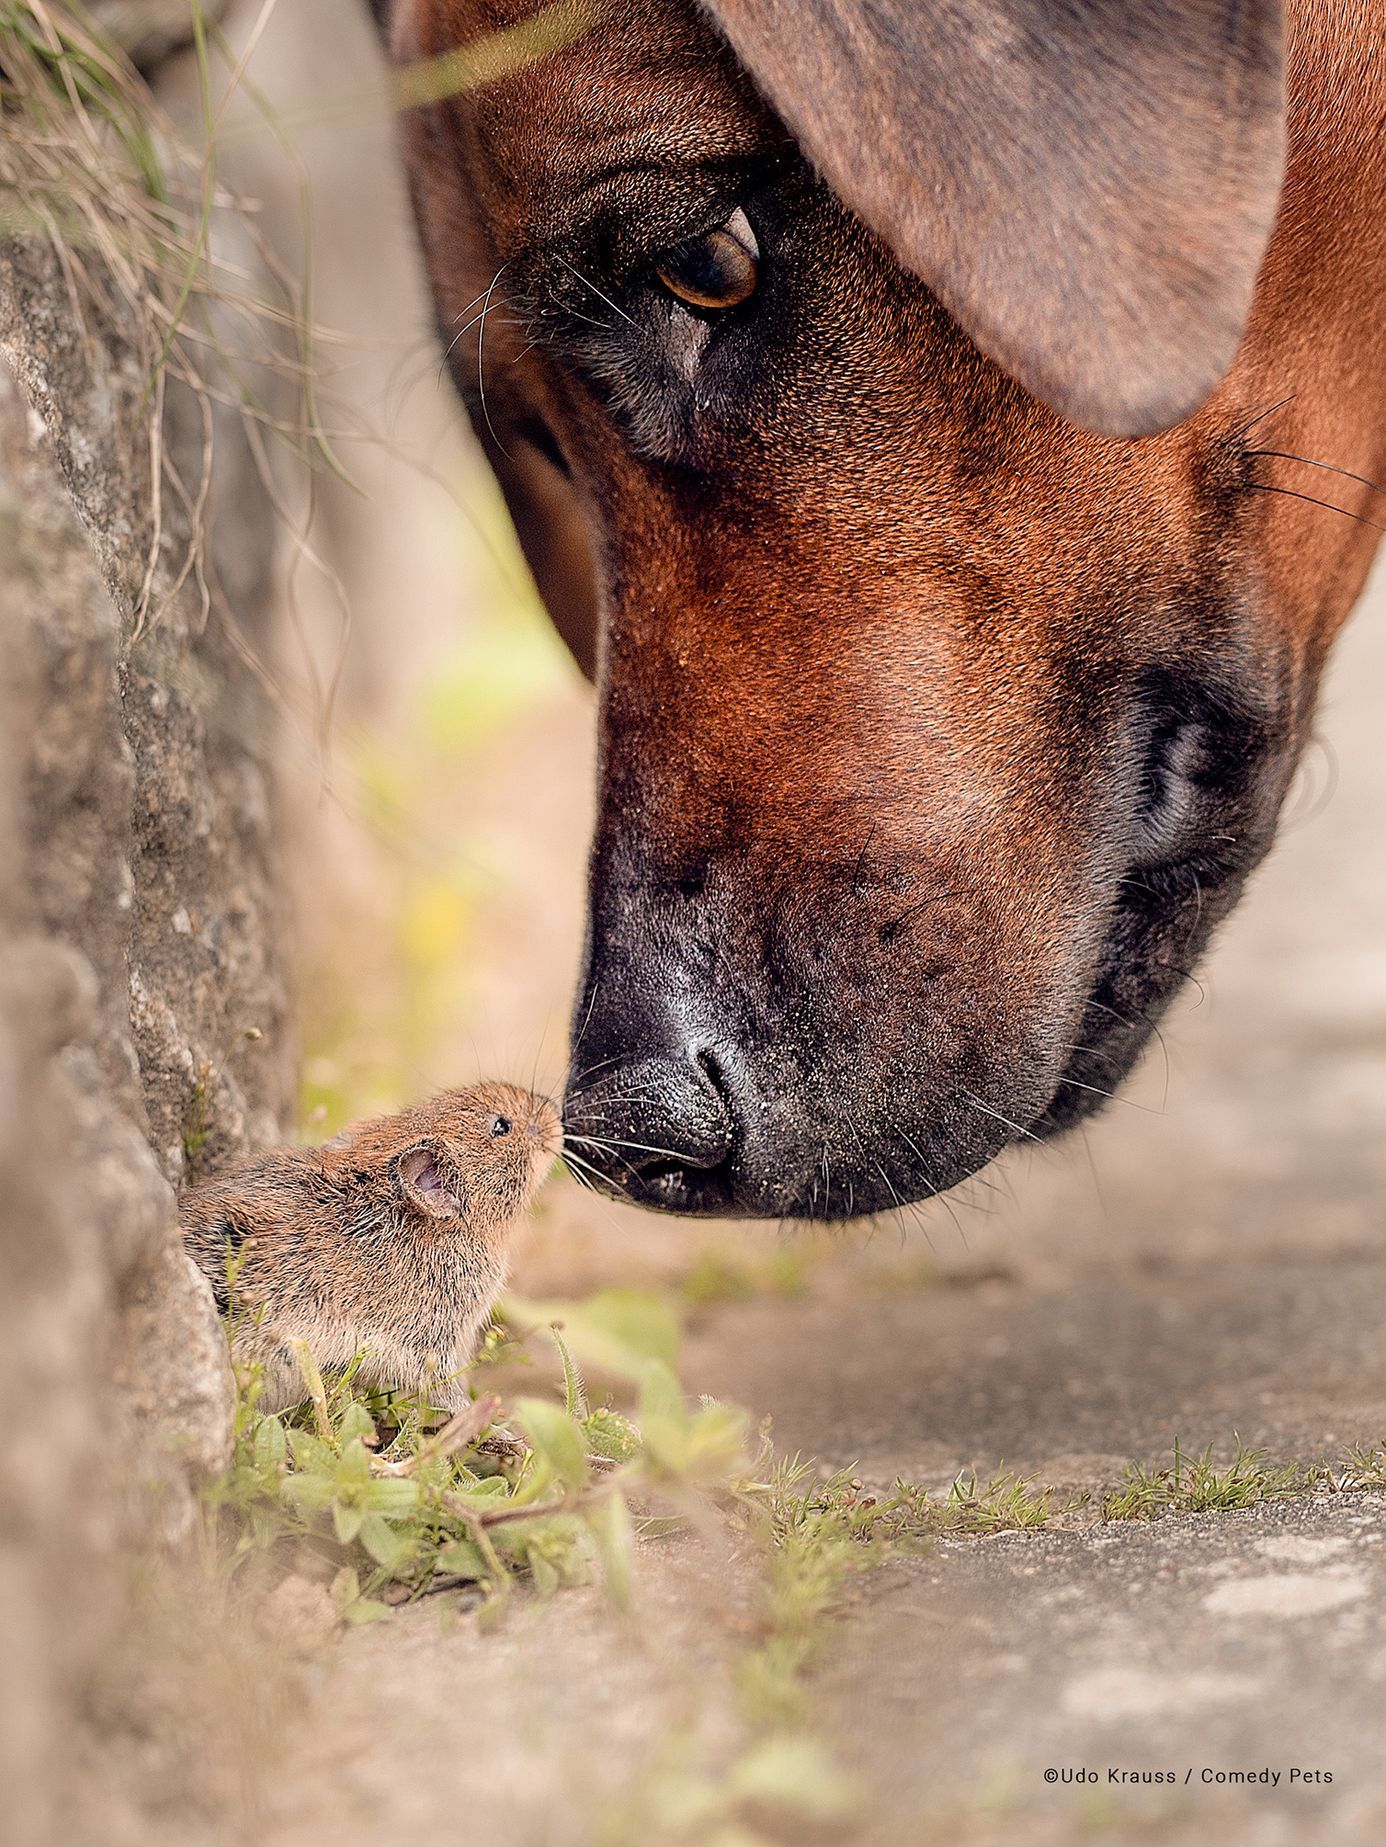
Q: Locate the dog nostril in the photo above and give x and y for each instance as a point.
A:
(1185, 735)
(652, 1116)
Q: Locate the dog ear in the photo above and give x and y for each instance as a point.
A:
(420, 1181)
(552, 531)
(1087, 185)
(380, 11)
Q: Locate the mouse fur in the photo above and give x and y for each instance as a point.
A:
(392, 1238)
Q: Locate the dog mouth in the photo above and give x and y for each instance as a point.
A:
(718, 1140)
(849, 1173)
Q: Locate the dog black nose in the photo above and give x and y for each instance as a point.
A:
(655, 1128)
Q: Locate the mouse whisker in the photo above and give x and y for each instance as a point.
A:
(670, 1154)
(577, 1167)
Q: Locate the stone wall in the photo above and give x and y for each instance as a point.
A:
(143, 1006)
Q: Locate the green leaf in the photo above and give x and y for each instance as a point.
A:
(557, 1438)
(664, 1423)
(345, 1586)
(483, 1488)
(660, 1397)
(354, 1464)
(385, 1545)
(395, 1498)
(615, 1539)
(365, 1610)
(480, 1496)
(611, 1435)
(544, 1575)
(346, 1521)
(716, 1444)
(707, 1446)
(269, 1446)
(307, 1494)
(357, 1422)
(574, 1396)
(311, 1452)
(460, 1558)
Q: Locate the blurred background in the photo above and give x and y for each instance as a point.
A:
(442, 727)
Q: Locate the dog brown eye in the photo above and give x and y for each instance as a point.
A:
(501, 1125)
(718, 270)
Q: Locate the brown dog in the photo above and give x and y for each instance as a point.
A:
(882, 401)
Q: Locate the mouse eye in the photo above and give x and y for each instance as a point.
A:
(501, 1125)
(718, 270)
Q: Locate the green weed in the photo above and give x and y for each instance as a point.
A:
(1363, 1466)
(388, 1502)
(1195, 1483)
(200, 1109)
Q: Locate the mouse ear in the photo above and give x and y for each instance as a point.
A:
(419, 1178)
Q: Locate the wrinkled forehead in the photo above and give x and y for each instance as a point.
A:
(583, 95)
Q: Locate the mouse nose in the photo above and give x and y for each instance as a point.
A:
(544, 1125)
(654, 1128)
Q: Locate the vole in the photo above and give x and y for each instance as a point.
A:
(391, 1238)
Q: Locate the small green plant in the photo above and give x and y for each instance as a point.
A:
(1363, 1466)
(1007, 1503)
(1195, 1483)
(389, 1501)
(198, 1111)
(909, 1515)
(196, 1115)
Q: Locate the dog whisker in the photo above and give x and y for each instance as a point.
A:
(587, 282)
(481, 361)
(935, 1190)
(1111, 1095)
(996, 1116)
(578, 1166)
(1284, 455)
(1264, 487)
(1270, 411)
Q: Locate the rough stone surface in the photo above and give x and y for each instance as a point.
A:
(1223, 1651)
(144, 816)
(140, 937)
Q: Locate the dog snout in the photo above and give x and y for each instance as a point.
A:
(652, 1126)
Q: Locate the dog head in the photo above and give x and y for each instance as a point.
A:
(940, 718)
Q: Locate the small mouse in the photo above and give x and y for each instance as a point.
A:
(393, 1237)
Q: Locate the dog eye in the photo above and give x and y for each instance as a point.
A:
(501, 1125)
(718, 270)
